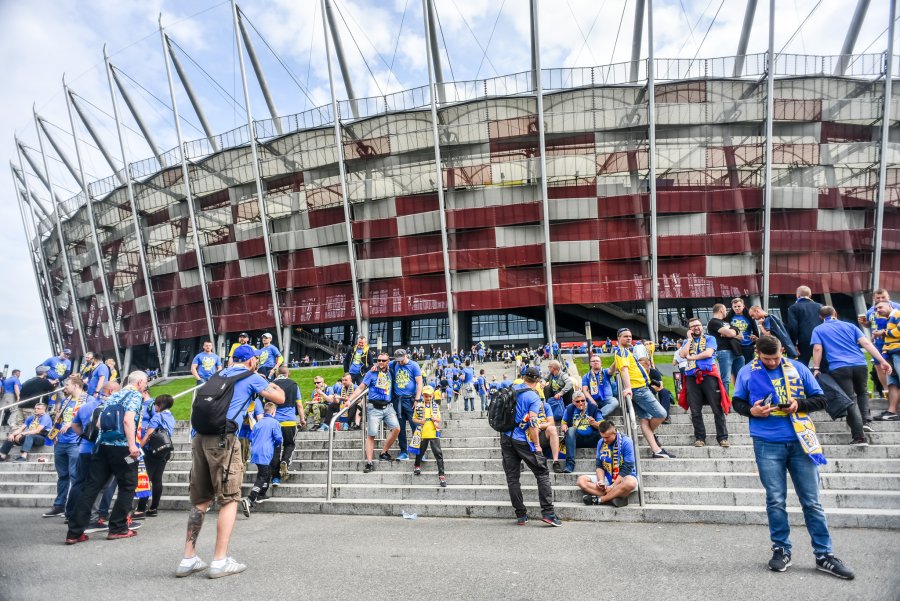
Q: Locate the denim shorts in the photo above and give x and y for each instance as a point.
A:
(894, 360)
(374, 418)
(645, 404)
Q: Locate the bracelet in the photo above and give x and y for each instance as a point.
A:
(816, 369)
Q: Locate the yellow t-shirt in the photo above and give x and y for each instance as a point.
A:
(634, 373)
(428, 429)
(234, 346)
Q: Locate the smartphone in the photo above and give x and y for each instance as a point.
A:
(129, 460)
(782, 405)
(767, 400)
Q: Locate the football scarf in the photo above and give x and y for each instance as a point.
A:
(415, 444)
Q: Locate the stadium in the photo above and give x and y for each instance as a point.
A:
(511, 209)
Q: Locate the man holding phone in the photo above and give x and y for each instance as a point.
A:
(703, 384)
(776, 393)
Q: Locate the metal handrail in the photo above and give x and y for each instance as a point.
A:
(363, 429)
(17, 403)
(184, 392)
(631, 428)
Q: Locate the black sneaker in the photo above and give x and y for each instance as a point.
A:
(152, 513)
(867, 427)
(834, 566)
(887, 416)
(859, 442)
(780, 561)
(617, 502)
(369, 467)
(557, 468)
(54, 512)
(551, 520)
(522, 520)
(590, 500)
(663, 454)
(385, 457)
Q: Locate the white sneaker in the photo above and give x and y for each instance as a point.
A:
(230, 568)
(197, 566)
(245, 507)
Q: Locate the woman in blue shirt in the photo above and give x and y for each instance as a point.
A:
(164, 421)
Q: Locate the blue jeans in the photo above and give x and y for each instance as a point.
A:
(775, 460)
(576, 441)
(65, 459)
(725, 359)
(607, 405)
(404, 408)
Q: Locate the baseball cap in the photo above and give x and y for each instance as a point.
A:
(41, 370)
(244, 352)
(67, 351)
(399, 353)
(266, 335)
(428, 390)
(532, 372)
(243, 335)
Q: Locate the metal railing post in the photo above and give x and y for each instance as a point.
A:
(631, 429)
(361, 400)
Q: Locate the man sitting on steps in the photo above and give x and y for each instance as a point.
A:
(616, 476)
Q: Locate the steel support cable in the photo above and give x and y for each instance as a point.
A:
(397, 43)
(312, 40)
(158, 99)
(708, 29)
(799, 27)
(618, 31)
(277, 57)
(358, 49)
(377, 53)
(207, 75)
(694, 26)
(858, 55)
(437, 15)
(474, 37)
(590, 31)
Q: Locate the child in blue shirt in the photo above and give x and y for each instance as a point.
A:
(265, 438)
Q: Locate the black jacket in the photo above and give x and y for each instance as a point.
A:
(368, 359)
(802, 317)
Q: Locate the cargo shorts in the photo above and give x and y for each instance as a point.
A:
(210, 460)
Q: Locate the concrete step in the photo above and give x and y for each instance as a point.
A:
(668, 513)
(831, 481)
(427, 489)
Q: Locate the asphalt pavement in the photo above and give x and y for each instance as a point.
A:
(295, 556)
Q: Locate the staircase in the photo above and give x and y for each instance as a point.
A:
(860, 486)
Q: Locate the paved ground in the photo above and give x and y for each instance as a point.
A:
(336, 557)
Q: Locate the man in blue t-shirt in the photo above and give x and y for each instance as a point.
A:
(842, 343)
(12, 390)
(379, 409)
(702, 385)
(60, 367)
(747, 331)
(85, 454)
(467, 386)
(215, 455)
(596, 386)
(776, 393)
(99, 375)
(116, 454)
(269, 357)
(29, 435)
(66, 444)
(579, 426)
(358, 360)
(522, 444)
(481, 389)
(616, 476)
(205, 364)
(407, 389)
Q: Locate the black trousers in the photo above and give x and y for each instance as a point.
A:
(261, 484)
(156, 467)
(332, 409)
(854, 381)
(286, 451)
(108, 460)
(514, 453)
(706, 392)
(805, 353)
(351, 414)
(436, 449)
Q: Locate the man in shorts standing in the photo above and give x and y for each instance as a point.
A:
(379, 409)
(217, 470)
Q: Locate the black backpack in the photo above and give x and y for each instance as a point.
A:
(209, 411)
(502, 410)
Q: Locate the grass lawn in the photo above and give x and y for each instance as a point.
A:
(303, 377)
(659, 359)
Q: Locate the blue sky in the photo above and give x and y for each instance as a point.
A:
(42, 39)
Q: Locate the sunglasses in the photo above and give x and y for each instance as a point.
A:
(383, 360)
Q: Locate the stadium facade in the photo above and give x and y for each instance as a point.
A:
(659, 200)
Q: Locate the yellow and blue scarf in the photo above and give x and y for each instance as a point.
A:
(761, 386)
(625, 354)
(697, 347)
(610, 458)
(415, 444)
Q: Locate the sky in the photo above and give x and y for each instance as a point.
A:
(41, 40)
